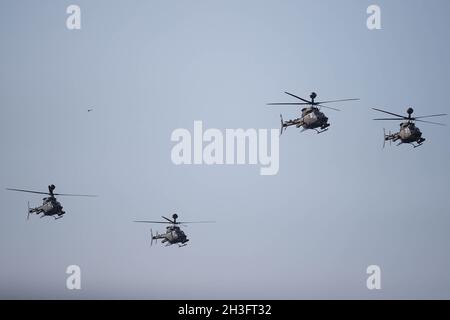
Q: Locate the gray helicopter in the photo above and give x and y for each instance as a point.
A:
(408, 133)
(174, 234)
(50, 206)
(312, 118)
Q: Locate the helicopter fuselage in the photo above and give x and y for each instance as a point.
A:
(49, 207)
(312, 118)
(408, 133)
(173, 235)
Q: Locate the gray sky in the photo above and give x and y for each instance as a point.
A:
(339, 203)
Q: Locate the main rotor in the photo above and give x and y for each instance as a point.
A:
(311, 102)
(410, 118)
(173, 221)
(50, 192)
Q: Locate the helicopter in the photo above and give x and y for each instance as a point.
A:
(408, 133)
(312, 118)
(50, 206)
(174, 234)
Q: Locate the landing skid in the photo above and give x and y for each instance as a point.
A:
(321, 131)
(412, 144)
(182, 245)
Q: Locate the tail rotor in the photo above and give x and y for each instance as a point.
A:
(151, 233)
(283, 127)
(29, 210)
(387, 137)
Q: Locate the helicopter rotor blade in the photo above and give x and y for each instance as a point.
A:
(29, 191)
(293, 95)
(393, 114)
(289, 104)
(55, 194)
(190, 222)
(429, 122)
(145, 221)
(342, 100)
(396, 119)
(322, 106)
(431, 116)
(75, 195)
(171, 221)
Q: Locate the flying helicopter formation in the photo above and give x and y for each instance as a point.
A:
(51, 207)
(313, 119)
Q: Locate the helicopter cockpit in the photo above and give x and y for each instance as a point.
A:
(405, 125)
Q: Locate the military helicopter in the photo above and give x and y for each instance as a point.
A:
(50, 206)
(174, 234)
(312, 118)
(408, 133)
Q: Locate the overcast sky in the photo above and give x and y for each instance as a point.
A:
(338, 204)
